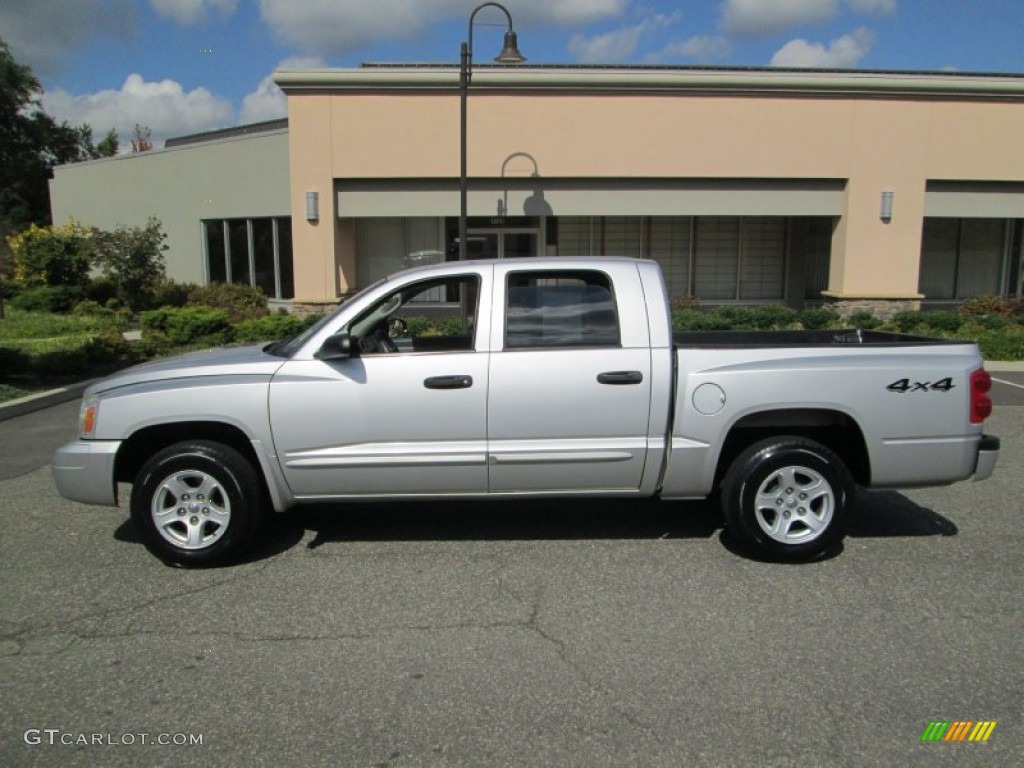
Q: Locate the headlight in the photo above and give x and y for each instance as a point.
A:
(88, 417)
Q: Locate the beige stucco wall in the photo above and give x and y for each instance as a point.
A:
(241, 177)
(870, 132)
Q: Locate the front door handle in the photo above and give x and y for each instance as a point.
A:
(620, 377)
(448, 382)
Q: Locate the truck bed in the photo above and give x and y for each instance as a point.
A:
(842, 337)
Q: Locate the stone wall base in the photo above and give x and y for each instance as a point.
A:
(880, 308)
(306, 308)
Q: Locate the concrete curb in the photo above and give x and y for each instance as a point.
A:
(40, 400)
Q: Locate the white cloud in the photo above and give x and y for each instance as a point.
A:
(268, 102)
(343, 26)
(763, 18)
(873, 6)
(842, 53)
(165, 107)
(702, 49)
(43, 34)
(617, 46)
(189, 12)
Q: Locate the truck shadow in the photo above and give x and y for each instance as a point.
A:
(880, 514)
(888, 514)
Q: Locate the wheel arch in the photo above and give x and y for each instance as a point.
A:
(136, 450)
(834, 429)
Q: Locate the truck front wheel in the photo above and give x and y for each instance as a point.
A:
(197, 503)
(787, 498)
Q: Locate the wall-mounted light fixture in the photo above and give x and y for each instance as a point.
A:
(886, 212)
(312, 206)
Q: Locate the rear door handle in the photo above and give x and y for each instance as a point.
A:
(620, 377)
(448, 382)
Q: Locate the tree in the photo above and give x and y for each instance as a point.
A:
(31, 143)
(51, 255)
(142, 139)
(107, 147)
(132, 259)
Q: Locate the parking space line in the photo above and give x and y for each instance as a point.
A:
(1008, 383)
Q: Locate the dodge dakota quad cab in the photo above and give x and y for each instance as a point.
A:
(545, 377)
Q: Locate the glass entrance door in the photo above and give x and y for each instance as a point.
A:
(502, 243)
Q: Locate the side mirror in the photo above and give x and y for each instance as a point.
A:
(336, 347)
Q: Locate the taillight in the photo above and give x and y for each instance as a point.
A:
(981, 404)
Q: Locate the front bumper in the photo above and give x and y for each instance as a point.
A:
(988, 455)
(84, 471)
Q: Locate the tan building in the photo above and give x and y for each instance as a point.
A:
(855, 188)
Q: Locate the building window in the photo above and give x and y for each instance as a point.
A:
(217, 270)
(814, 246)
(252, 252)
(714, 258)
(961, 258)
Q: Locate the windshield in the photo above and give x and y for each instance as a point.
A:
(288, 347)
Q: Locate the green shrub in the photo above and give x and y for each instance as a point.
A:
(14, 361)
(153, 343)
(1003, 344)
(189, 325)
(101, 290)
(818, 318)
(693, 320)
(679, 302)
(61, 362)
(93, 308)
(268, 328)
(108, 346)
(48, 298)
(240, 302)
(773, 316)
(864, 320)
(979, 306)
(419, 326)
(738, 318)
(948, 322)
(905, 321)
(172, 294)
(57, 255)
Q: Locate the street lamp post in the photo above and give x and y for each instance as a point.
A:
(509, 55)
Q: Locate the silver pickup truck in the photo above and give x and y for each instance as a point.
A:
(541, 377)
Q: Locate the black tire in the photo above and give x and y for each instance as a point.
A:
(197, 503)
(787, 498)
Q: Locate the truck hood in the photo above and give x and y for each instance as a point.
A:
(234, 361)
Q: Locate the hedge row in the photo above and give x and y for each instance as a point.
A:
(995, 324)
(54, 345)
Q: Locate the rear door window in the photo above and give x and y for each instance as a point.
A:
(560, 309)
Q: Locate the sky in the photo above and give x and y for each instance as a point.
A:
(185, 66)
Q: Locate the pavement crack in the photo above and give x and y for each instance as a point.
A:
(71, 626)
(564, 654)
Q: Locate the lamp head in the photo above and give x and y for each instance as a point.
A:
(510, 51)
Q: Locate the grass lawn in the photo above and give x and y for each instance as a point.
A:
(22, 389)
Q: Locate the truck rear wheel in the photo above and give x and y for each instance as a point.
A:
(787, 498)
(197, 503)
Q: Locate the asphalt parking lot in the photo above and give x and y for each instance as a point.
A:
(584, 634)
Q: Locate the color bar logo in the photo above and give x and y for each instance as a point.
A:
(958, 730)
